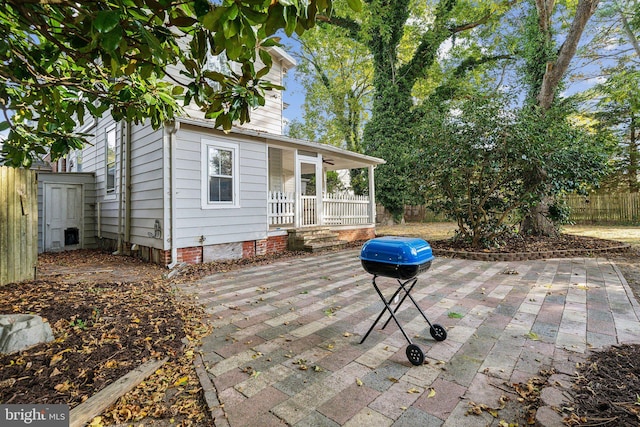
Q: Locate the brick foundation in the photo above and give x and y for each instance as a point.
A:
(192, 255)
(276, 244)
(248, 249)
(269, 246)
(251, 248)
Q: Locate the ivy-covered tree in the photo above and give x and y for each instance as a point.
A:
(404, 38)
(64, 60)
(545, 67)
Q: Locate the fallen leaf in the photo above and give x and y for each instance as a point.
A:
(55, 359)
(61, 388)
(359, 382)
(96, 422)
(413, 390)
(182, 381)
(432, 392)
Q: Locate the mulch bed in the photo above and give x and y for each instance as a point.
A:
(104, 329)
(518, 248)
(607, 389)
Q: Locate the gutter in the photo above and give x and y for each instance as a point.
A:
(173, 129)
(127, 198)
(120, 192)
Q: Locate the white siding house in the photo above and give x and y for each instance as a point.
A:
(191, 193)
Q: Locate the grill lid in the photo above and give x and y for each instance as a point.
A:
(397, 250)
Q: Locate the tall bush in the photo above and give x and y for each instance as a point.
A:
(477, 164)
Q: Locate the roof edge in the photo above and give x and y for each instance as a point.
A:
(285, 140)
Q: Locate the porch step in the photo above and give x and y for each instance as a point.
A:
(314, 239)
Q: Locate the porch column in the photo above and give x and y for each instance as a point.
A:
(372, 196)
(298, 188)
(320, 182)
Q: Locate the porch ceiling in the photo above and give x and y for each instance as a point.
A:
(334, 158)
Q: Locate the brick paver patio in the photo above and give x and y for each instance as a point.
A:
(285, 345)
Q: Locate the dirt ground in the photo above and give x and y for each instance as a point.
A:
(110, 314)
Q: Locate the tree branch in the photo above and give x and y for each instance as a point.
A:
(555, 72)
(481, 21)
(448, 89)
(346, 23)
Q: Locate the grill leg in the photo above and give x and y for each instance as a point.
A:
(386, 307)
(415, 303)
(406, 292)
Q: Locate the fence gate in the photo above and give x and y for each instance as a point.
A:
(18, 224)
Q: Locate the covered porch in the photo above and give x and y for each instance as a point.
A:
(309, 186)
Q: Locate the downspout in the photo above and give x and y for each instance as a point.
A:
(127, 207)
(120, 187)
(173, 129)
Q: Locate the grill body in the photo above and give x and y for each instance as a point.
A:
(396, 257)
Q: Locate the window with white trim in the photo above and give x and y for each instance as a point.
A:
(220, 174)
(110, 160)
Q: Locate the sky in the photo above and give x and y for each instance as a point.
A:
(294, 93)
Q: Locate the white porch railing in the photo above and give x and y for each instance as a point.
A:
(309, 210)
(281, 208)
(338, 209)
(345, 209)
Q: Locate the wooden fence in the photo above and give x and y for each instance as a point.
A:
(412, 213)
(605, 208)
(620, 208)
(18, 225)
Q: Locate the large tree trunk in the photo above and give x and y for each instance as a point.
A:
(556, 71)
(537, 221)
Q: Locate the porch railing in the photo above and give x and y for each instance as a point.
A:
(281, 208)
(309, 210)
(345, 209)
(337, 209)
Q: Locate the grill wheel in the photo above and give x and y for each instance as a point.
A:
(438, 332)
(415, 355)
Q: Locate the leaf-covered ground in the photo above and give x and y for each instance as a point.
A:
(111, 313)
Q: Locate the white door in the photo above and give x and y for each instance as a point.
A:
(62, 217)
(309, 189)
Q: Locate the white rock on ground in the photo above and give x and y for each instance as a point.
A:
(21, 331)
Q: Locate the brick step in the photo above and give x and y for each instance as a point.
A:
(316, 246)
(313, 239)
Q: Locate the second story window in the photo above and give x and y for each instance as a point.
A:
(110, 161)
